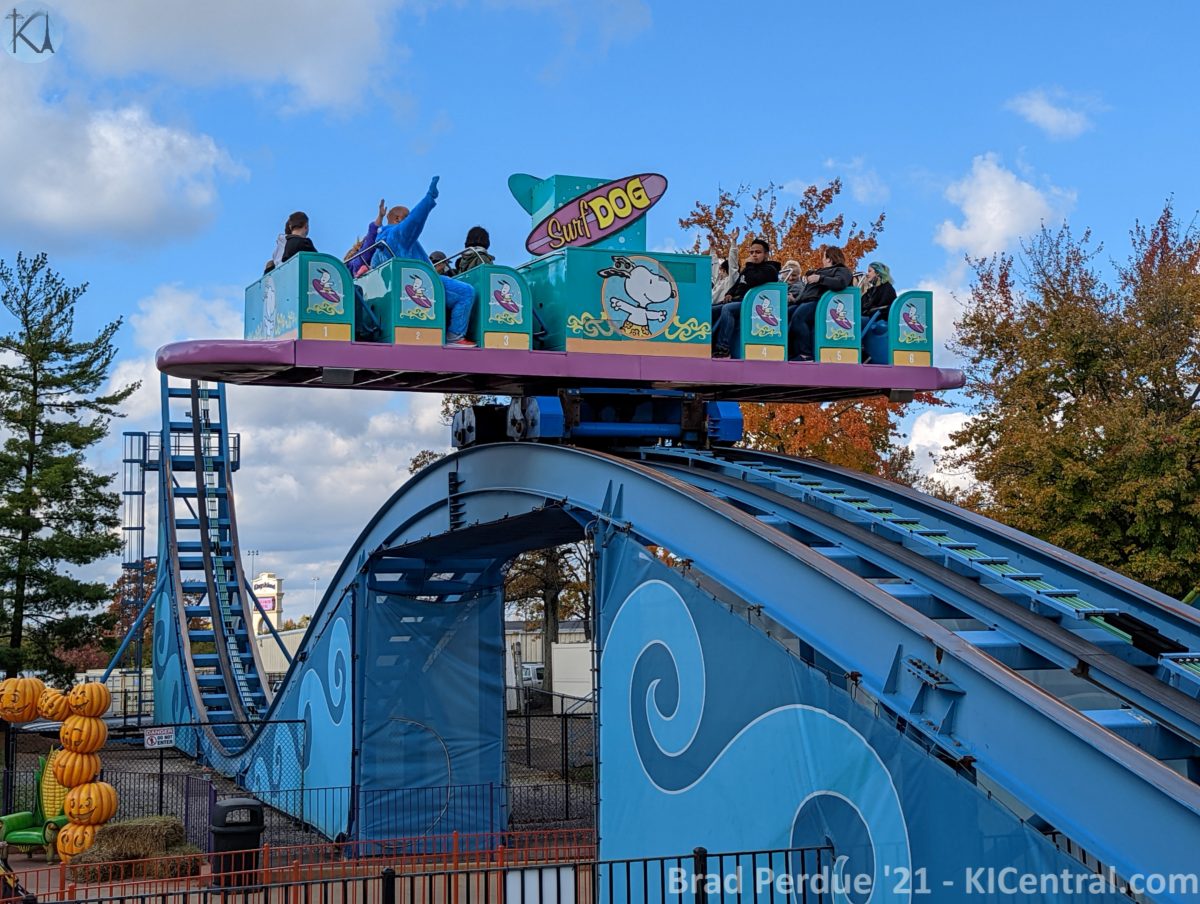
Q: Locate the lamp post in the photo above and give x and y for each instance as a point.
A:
(315, 581)
(253, 554)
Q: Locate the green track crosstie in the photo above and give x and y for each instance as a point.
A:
(932, 541)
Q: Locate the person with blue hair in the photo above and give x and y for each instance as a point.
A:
(402, 236)
(880, 292)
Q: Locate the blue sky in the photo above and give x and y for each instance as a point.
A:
(158, 152)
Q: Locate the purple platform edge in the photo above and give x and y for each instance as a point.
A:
(275, 362)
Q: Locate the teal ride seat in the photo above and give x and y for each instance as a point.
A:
(836, 325)
(875, 339)
(503, 312)
(910, 330)
(762, 333)
(409, 301)
(308, 296)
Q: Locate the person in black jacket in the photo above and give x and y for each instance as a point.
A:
(727, 315)
(880, 292)
(832, 276)
(295, 236)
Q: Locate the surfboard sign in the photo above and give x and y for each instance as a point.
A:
(597, 213)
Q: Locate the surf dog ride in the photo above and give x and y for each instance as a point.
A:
(592, 308)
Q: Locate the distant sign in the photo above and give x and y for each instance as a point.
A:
(267, 603)
(597, 213)
(154, 738)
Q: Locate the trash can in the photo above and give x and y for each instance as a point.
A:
(235, 837)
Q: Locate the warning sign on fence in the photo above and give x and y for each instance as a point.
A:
(158, 737)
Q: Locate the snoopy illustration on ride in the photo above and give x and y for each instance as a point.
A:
(643, 287)
(324, 287)
(912, 318)
(504, 298)
(416, 292)
(267, 328)
(837, 313)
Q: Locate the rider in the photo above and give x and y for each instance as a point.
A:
(402, 236)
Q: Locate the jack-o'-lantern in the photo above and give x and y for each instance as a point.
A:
(19, 699)
(73, 769)
(73, 839)
(52, 705)
(92, 804)
(83, 734)
(91, 698)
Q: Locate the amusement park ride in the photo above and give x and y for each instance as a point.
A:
(831, 659)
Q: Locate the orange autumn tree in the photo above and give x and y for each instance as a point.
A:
(857, 434)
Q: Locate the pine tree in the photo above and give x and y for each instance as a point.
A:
(56, 513)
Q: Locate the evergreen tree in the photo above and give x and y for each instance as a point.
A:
(56, 513)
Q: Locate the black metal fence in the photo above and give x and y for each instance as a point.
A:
(199, 744)
(764, 877)
(296, 816)
(551, 781)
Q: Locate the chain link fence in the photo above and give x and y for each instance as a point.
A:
(551, 776)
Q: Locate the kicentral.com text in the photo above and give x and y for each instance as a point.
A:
(902, 880)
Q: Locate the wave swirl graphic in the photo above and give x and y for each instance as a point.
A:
(683, 774)
(323, 704)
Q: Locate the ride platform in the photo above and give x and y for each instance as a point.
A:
(516, 372)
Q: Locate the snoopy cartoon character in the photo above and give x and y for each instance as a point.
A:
(643, 287)
(267, 329)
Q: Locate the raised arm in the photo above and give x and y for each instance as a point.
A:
(409, 229)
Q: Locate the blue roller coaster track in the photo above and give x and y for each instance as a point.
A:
(980, 683)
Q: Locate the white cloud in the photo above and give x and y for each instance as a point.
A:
(949, 290)
(865, 184)
(588, 30)
(1059, 114)
(997, 207)
(89, 175)
(324, 55)
(316, 464)
(928, 438)
(797, 186)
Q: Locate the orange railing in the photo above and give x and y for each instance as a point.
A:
(291, 864)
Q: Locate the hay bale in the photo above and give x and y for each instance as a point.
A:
(135, 839)
(135, 848)
(178, 861)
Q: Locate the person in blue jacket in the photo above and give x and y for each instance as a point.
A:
(402, 236)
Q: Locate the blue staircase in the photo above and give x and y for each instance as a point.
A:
(198, 456)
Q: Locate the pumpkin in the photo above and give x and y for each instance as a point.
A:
(19, 699)
(52, 705)
(73, 839)
(92, 804)
(91, 698)
(83, 734)
(73, 769)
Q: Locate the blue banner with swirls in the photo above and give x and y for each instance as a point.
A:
(432, 712)
(714, 734)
